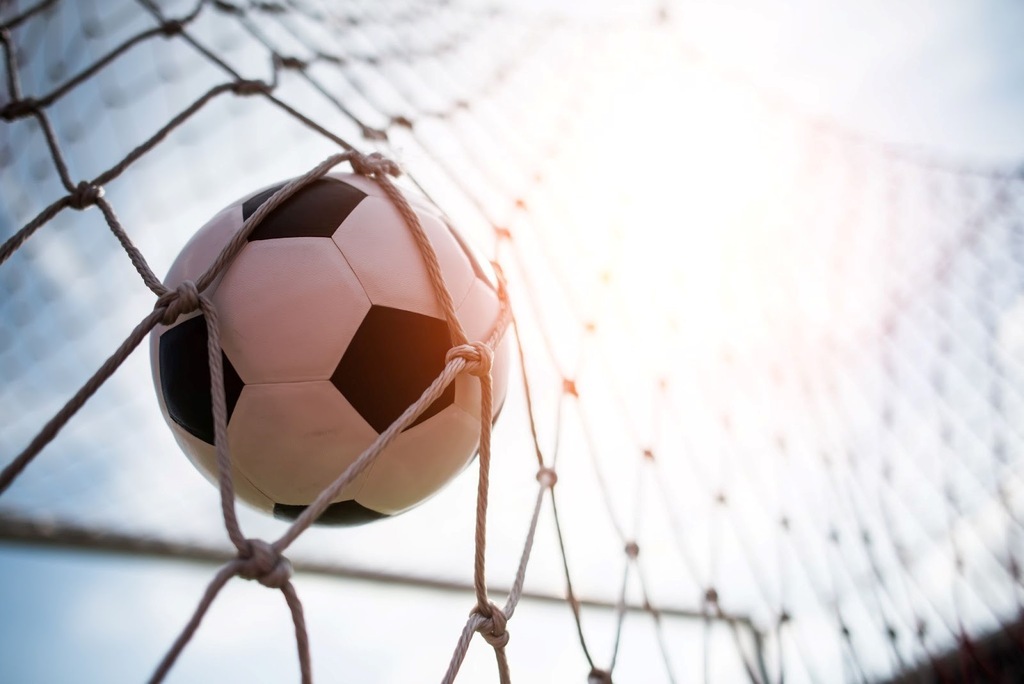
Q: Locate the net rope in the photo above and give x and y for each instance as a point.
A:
(925, 341)
(258, 559)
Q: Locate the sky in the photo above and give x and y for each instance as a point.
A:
(700, 200)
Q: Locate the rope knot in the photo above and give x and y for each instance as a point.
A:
(289, 62)
(85, 195)
(253, 87)
(16, 109)
(402, 121)
(262, 562)
(492, 628)
(184, 299)
(227, 7)
(547, 477)
(172, 27)
(477, 355)
(371, 133)
(598, 676)
(375, 164)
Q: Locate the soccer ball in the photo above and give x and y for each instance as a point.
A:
(330, 329)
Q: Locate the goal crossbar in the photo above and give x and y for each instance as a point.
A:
(17, 529)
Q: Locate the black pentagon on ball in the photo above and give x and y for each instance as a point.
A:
(314, 211)
(393, 357)
(185, 378)
(342, 513)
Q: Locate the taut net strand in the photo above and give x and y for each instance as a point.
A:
(768, 394)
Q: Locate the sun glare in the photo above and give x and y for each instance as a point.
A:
(682, 202)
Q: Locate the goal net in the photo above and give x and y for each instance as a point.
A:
(763, 422)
